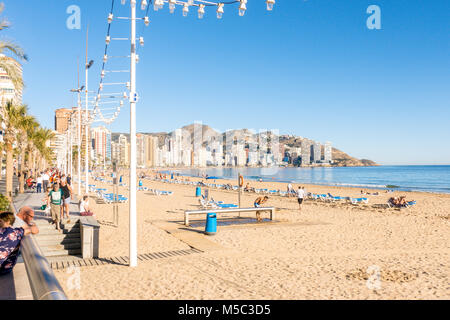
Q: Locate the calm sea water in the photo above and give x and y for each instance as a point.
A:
(406, 178)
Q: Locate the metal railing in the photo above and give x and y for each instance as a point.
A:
(43, 282)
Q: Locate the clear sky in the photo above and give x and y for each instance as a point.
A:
(310, 68)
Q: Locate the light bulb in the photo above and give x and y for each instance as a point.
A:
(201, 11)
(270, 4)
(141, 41)
(220, 10)
(146, 21)
(143, 4)
(105, 58)
(242, 7)
(110, 17)
(108, 39)
(185, 10)
(172, 4)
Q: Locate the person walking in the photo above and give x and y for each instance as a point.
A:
(67, 196)
(289, 190)
(300, 197)
(54, 201)
(39, 183)
(45, 179)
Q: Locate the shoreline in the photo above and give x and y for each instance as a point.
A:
(363, 187)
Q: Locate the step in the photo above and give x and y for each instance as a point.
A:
(55, 246)
(53, 231)
(56, 237)
(70, 226)
(60, 252)
(51, 259)
(51, 242)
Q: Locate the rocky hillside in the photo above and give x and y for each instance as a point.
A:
(340, 158)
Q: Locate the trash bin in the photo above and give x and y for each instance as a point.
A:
(198, 192)
(211, 224)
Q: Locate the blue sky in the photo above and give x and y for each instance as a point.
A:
(310, 68)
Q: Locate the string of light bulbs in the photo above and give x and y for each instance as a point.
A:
(157, 5)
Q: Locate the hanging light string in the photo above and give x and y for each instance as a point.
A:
(145, 6)
(97, 111)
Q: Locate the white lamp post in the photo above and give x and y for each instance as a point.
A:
(133, 173)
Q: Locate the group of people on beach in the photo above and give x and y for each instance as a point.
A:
(398, 201)
(300, 194)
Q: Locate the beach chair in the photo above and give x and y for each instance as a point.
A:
(359, 200)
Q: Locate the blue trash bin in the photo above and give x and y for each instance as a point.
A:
(211, 224)
(198, 192)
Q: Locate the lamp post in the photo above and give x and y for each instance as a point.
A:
(78, 91)
(86, 131)
(133, 173)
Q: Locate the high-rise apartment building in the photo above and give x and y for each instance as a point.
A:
(306, 152)
(62, 117)
(8, 92)
(317, 152)
(101, 143)
(328, 152)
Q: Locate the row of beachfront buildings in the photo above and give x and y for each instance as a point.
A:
(185, 148)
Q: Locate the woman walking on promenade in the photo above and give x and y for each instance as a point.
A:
(67, 196)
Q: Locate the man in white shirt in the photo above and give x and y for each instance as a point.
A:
(45, 179)
(39, 184)
(301, 197)
(25, 217)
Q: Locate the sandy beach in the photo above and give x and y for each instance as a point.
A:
(322, 252)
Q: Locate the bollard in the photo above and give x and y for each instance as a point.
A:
(211, 224)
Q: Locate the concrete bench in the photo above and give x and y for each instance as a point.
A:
(227, 210)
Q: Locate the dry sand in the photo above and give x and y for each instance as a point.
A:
(322, 252)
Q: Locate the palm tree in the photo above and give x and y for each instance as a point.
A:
(10, 66)
(42, 152)
(25, 132)
(12, 118)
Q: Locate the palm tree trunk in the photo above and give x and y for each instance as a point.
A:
(21, 170)
(9, 169)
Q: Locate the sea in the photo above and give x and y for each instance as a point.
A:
(434, 178)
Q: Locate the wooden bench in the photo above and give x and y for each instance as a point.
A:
(226, 210)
